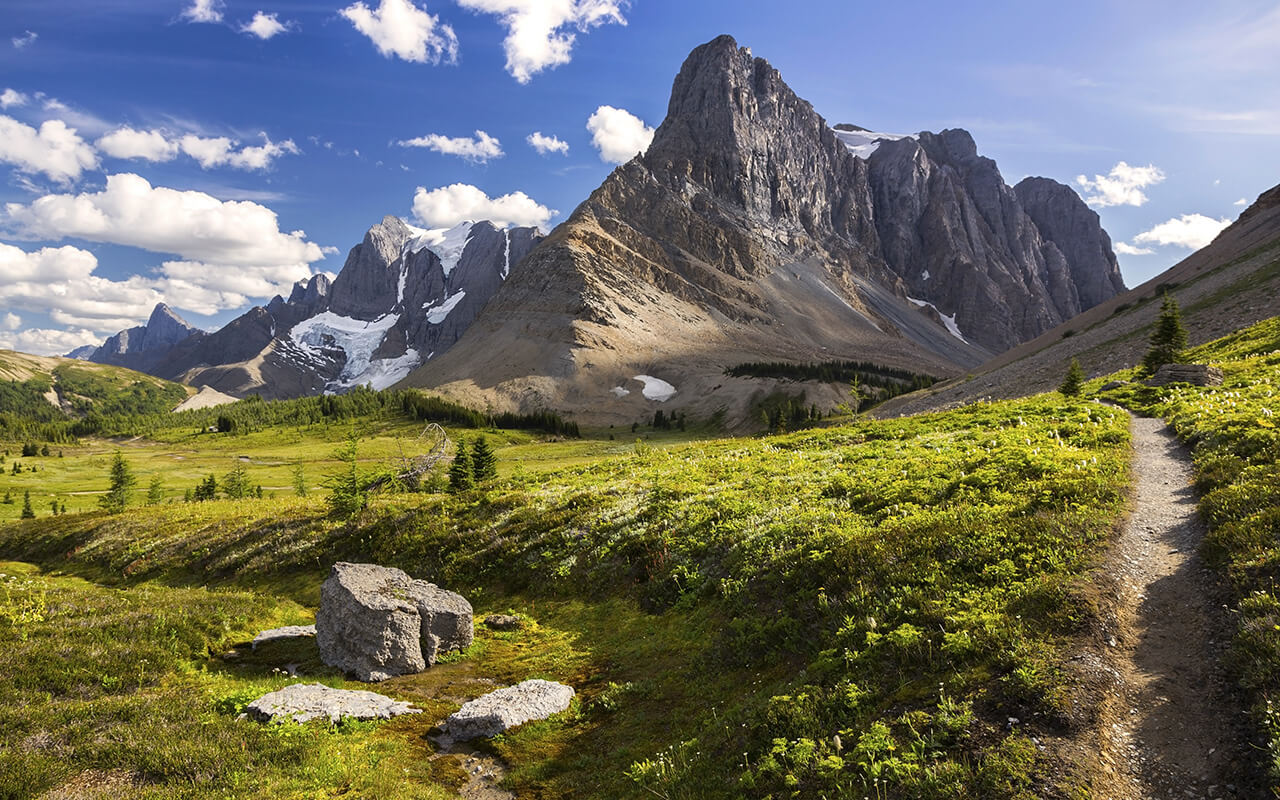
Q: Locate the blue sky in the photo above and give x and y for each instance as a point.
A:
(164, 149)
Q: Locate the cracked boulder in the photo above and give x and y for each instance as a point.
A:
(376, 622)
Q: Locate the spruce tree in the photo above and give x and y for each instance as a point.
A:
(484, 464)
(8, 498)
(235, 484)
(1169, 338)
(299, 481)
(27, 511)
(1074, 381)
(155, 491)
(347, 492)
(122, 483)
(461, 472)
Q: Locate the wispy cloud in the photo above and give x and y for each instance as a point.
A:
(25, 40)
(480, 148)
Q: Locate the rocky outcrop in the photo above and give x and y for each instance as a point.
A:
(377, 622)
(141, 348)
(1064, 219)
(303, 702)
(1194, 374)
(500, 711)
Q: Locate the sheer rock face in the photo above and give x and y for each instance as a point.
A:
(366, 287)
(748, 232)
(143, 346)
(1064, 219)
(377, 622)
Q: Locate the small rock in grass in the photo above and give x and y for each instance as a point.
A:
(503, 622)
(287, 632)
(303, 702)
(504, 709)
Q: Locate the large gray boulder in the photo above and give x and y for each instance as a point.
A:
(504, 709)
(303, 702)
(376, 622)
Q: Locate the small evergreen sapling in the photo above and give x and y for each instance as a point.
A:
(1074, 381)
(155, 491)
(27, 511)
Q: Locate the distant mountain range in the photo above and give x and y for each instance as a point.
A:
(404, 295)
(750, 230)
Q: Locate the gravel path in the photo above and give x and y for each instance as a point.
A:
(1170, 727)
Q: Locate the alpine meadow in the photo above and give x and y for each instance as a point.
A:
(793, 459)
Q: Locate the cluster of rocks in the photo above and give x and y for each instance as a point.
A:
(375, 623)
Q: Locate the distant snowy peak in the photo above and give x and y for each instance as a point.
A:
(447, 243)
(862, 143)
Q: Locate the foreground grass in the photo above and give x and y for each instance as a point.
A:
(847, 612)
(1236, 449)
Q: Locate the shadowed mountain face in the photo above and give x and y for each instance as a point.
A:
(750, 231)
(403, 295)
(1231, 283)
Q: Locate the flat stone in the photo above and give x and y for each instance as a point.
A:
(504, 709)
(503, 622)
(287, 632)
(376, 622)
(1194, 374)
(303, 702)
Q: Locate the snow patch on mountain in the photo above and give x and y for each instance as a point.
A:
(446, 243)
(656, 388)
(620, 391)
(949, 321)
(863, 143)
(359, 340)
(437, 313)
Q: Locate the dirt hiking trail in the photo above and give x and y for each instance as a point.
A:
(1171, 728)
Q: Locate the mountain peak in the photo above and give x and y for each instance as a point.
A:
(165, 328)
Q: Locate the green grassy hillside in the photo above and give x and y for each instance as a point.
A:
(853, 611)
(39, 395)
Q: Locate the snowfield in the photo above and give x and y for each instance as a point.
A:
(446, 243)
(437, 313)
(358, 339)
(863, 143)
(656, 388)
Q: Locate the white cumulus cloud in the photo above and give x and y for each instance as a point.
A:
(220, 151)
(44, 342)
(1191, 231)
(25, 40)
(192, 225)
(400, 28)
(540, 32)
(1126, 249)
(1121, 187)
(10, 322)
(55, 149)
(12, 97)
(204, 11)
(618, 134)
(547, 144)
(1241, 202)
(449, 205)
(125, 142)
(264, 26)
(480, 148)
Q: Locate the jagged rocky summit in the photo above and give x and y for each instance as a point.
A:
(404, 295)
(751, 230)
